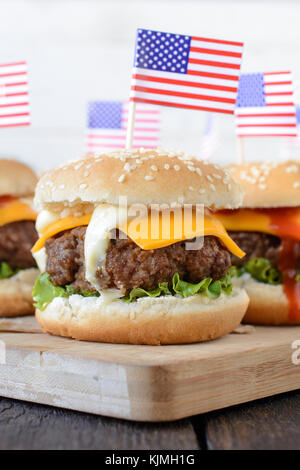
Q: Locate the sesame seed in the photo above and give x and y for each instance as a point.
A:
(292, 169)
(88, 166)
(126, 167)
(83, 186)
(213, 187)
(138, 161)
(79, 165)
(229, 187)
(209, 178)
(86, 173)
(296, 184)
(191, 168)
(191, 188)
(149, 177)
(181, 199)
(121, 178)
(166, 166)
(262, 186)
(154, 168)
(218, 177)
(176, 167)
(201, 191)
(198, 170)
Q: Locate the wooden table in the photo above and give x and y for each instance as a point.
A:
(272, 423)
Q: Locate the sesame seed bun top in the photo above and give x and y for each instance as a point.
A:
(269, 184)
(16, 179)
(143, 176)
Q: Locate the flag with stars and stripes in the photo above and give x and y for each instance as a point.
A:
(14, 98)
(265, 105)
(107, 125)
(186, 71)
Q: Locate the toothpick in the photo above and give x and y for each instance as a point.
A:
(130, 125)
(240, 151)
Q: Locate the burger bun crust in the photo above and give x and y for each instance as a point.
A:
(143, 176)
(16, 179)
(268, 303)
(269, 184)
(15, 294)
(152, 321)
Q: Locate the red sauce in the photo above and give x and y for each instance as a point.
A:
(284, 221)
(4, 200)
(287, 264)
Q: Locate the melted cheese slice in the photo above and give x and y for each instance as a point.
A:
(59, 226)
(283, 222)
(150, 233)
(140, 230)
(16, 210)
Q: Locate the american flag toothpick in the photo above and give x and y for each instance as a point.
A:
(185, 71)
(265, 105)
(14, 98)
(107, 125)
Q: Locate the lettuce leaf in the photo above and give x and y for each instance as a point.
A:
(208, 287)
(261, 270)
(44, 291)
(85, 293)
(139, 292)
(6, 271)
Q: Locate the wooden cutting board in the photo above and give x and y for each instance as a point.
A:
(146, 383)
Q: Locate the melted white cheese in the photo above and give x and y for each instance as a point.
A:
(104, 219)
(45, 218)
(41, 259)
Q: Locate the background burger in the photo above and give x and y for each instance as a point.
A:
(267, 228)
(105, 281)
(18, 269)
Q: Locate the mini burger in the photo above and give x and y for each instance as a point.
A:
(267, 228)
(120, 261)
(18, 270)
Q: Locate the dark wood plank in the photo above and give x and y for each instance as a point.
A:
(30, 426)
(269, 424)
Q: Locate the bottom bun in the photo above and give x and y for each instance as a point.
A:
(268, 304)
(161, 320)
(16, 293)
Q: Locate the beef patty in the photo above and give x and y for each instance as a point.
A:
(128, 266)
(259, 245)
(16, 241)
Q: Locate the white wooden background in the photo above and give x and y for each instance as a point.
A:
(83, 49)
